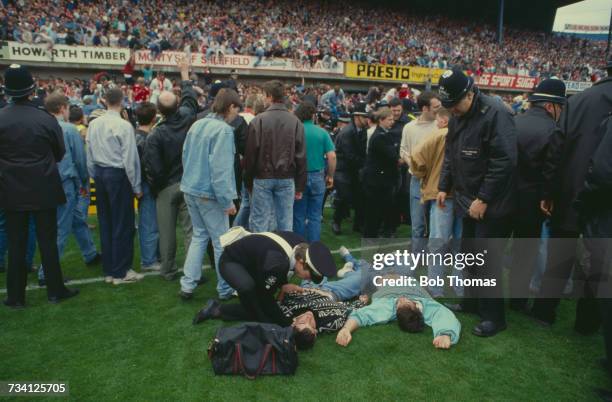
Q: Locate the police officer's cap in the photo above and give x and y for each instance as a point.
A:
(344, 117)
(320, 261)
(454, 85)
(360, 109)
(549, 90)
(18, 81)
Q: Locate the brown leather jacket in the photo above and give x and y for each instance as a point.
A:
(275, 148)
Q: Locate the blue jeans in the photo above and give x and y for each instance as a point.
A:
(346, 288)
(444, 236)
(536, 279)
(307, 211)
(418, 216)
(272, 196)
(148, 234)
(242, 218)
(70, 219)
(31, 247)
(209, 223)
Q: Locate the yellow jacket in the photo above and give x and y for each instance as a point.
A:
(426, 163)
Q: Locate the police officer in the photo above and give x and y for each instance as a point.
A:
(571, 147)
(350, 156)
(256, 266)
(479, 168)
(533, 130)
(31, 145)
(596, 214)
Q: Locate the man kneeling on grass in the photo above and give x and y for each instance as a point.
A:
(413, 307)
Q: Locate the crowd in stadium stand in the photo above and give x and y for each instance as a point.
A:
(318, 32)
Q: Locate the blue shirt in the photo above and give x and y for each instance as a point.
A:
(208, 161)
(383, 309)
(74, 164)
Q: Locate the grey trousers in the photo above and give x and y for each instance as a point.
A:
(171, 207)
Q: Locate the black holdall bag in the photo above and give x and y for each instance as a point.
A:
(253, 349)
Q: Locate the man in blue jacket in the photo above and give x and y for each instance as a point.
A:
(209, 187)
(75, 178)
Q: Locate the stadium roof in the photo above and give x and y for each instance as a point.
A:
(533, 14)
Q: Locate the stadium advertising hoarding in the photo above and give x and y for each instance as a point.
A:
(16, 51)
(389, 72)
(238, 62)
(577, 86)
(505, 81)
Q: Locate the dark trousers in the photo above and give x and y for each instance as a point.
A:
(342, 201)
(491, 235)
(378, 211)
(526, 234)
(46, 232)
(596, 231)
(115, 204)
(256, 304)
(358, 202)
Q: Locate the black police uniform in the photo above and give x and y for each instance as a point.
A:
(31, 145)
(350, 154)
(480, 161)
(571, 147)
(533, 130)
(596, 212)
(401, 197)
(380, 178)
(256, 267)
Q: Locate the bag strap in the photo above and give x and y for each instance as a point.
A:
(280, 241)
(239, 363)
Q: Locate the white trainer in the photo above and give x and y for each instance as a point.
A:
(343, 251)
(348, 267)
(130, 277)
(108, 279)
(155, 267)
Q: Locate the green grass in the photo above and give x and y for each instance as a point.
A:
(136, 342)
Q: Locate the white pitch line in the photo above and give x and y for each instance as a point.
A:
(87, 281)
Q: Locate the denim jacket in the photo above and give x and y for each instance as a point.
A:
(74, 164)
(208, 161)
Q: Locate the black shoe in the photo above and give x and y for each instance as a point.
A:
(186, 295)
(522, 308)
(460, 308)
(94, 261)
(67, 294)
(336, 228)
(202, 281)
(14, 305)
(1, 269)
(43, 282)
(488, 328)
(210, 310)
(540, 320)
(357, 228)
(170, 277)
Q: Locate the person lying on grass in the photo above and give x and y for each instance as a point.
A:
(412, 307)
(314, 312)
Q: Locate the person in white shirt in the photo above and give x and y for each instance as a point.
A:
(112, 160)
(158, 85)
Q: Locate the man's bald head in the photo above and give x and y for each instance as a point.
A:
(167, 103)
